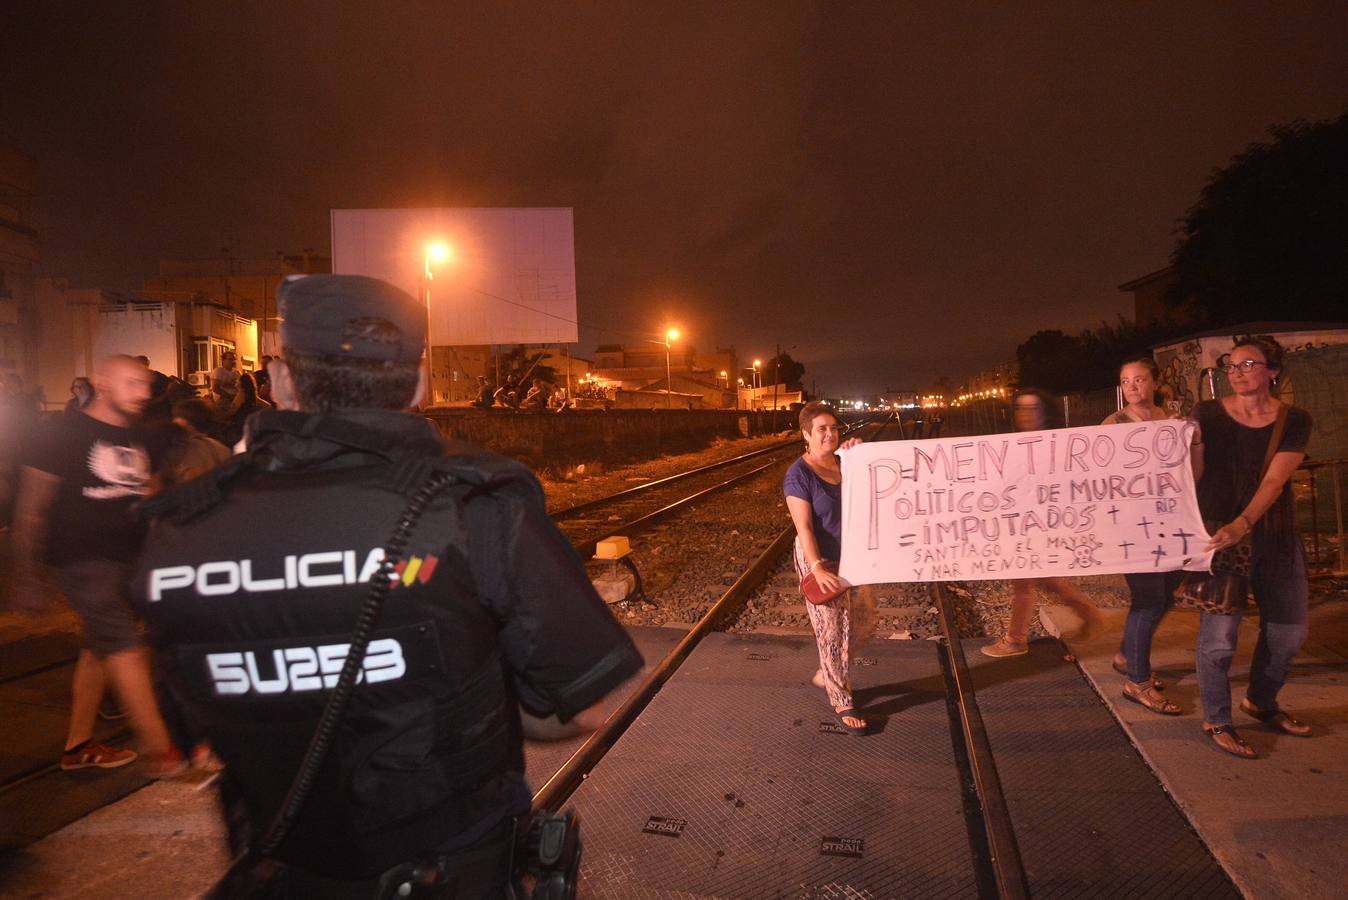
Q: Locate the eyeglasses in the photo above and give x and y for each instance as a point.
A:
(1245, 366)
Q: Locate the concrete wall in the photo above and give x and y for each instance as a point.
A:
(576, 436)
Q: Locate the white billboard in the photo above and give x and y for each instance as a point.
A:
(507, 276)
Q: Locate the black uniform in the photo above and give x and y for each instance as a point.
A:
(252, 599)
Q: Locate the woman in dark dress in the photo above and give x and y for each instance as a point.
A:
(1236, 431)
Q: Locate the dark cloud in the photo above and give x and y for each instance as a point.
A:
(900, 191)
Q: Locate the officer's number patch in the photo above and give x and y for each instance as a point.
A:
(299, 669)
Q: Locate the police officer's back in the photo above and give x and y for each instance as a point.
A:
(253, 577)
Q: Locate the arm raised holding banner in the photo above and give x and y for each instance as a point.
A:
(813, 488)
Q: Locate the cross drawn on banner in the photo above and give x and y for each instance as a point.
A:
(1099, 500)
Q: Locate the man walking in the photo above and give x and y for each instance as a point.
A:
(76, 489)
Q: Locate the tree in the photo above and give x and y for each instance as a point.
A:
(1267, 237)
(518, 363)
(788, 371)
(1050, 360)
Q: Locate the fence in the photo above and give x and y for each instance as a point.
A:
(1318, 490)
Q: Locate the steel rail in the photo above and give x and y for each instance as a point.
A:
(669, 479)
(679, 476)
(575, 770)
(587, 547)
(1007, 870)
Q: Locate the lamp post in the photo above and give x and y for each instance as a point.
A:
(671, 335)
(436, 252)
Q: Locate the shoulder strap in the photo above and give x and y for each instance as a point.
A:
(1279, 425)
(340, 698)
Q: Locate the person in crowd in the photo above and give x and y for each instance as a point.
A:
(225, 381)
(492, 612)
(483, 398)
(246, 402)
(560, 400)
(1150, 593)
(536, 400)
(263, 381)
(19, 412)
(81, 394)
(79, 482)
(507, 396)
(1236, 432)
(813, 488)
(199, 452)
(1031, 409)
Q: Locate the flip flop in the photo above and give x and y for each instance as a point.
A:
(1276, 719)
(1240, 747)
(849, 713)
(1156, 682)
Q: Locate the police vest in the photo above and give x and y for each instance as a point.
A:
(251, 602)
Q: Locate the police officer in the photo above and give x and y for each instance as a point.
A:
(254, 574)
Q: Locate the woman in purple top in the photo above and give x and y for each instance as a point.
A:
(813, 488)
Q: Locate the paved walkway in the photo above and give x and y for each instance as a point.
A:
(1277, 824)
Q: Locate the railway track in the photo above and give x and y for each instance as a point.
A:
(627, 511)
(993, 847)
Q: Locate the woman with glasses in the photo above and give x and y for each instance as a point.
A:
(1031, 410)
(1150, 593)
(813, 488)
(1235, 501)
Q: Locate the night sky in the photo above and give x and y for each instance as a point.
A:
(901, 191)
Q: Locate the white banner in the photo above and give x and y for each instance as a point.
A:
(1072, 501)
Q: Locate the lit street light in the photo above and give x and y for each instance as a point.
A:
(436, 252)
(670, 336)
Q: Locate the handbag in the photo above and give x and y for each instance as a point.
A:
(809, 586)
(1225, 591)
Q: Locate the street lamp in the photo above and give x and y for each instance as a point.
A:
(436, 252)
(758, 382)
(671, 335)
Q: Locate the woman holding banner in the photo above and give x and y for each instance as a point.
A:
(1253, 444)
(813, 488)
(1030, 409)
(1150, 593)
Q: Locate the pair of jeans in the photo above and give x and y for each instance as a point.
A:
(1151, 594)
(1282, 603)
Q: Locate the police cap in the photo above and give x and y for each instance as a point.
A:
(350, 315)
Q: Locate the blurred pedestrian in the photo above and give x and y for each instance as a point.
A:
(1031, 409)
(79, 482)
(813, 488)
(199, 452)
(1251, 445)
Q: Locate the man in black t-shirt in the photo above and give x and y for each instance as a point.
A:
(78, 482)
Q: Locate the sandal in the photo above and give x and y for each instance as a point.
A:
(849, 713)
(1146, 695)
(1276, 719)
(1224, 737)
(1122, 668)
